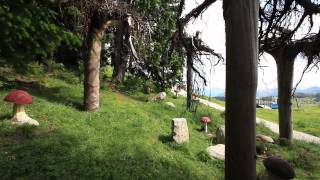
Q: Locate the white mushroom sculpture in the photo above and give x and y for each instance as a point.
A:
(20, 98)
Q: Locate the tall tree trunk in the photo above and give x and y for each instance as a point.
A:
(189, 81)
(119, 72)
(120, 54)
(241, 18)
(285, 66)
(92, 66)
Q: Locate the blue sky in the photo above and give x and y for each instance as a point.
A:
(211, 24)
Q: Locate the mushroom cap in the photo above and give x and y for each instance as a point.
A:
(19, 97)
(205, 119)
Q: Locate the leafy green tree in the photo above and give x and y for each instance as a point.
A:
(30, 29)
(154, 62)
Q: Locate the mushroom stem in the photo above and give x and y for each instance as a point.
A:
(206, 127)
(20, 116)
(17, 109)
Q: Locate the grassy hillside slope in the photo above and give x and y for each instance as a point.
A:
(127, 139)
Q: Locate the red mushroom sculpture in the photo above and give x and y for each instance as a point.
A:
(205, 120)
(20, 98)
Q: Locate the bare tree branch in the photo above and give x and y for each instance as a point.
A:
(309, 6)
(194, 13)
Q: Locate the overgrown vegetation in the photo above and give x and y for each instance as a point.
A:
(30, 31)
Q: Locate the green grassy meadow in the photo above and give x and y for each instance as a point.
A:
(129, 138)
(305, 118)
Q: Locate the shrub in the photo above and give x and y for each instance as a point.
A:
(106, 72)
(59, 71)
(135, 84)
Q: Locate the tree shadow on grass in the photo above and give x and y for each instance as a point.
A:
(140, 98)
(199, 129)
(60, 94)
(27, 154)
(165, 138)
(5, 117)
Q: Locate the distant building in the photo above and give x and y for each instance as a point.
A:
(267, 102)
(274, 105)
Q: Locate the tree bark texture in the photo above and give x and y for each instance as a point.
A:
(121, 53)
(285, 66)
(241, 19)
(189, 81)
(92, 66)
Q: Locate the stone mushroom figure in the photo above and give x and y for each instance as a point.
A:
(20, 98)
(205, 120)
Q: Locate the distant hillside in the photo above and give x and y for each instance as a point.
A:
(217, 92)
(311, 90)
(274, 91)
(263, 93)
(214, 92)
(317, 97)
(267, 92)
